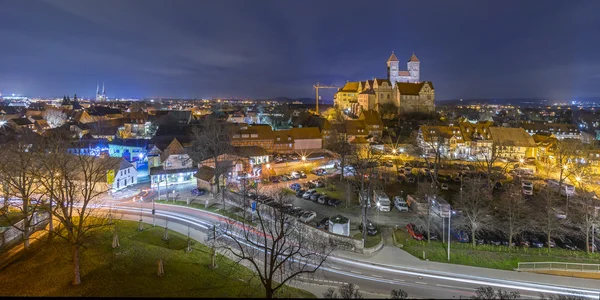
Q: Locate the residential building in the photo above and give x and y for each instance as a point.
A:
(560, 131)
(122, 176)
(373, 123)
(512, 143)
(129, 149)
(176, 166)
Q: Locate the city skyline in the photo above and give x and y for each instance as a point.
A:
(188, 50)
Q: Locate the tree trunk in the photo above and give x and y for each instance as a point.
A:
(587, 239)
(510, 238)
(269, 290)
(548, 238)
(473, 236)
(76, 271)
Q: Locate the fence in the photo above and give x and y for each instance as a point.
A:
(560, 266)
(14, 234)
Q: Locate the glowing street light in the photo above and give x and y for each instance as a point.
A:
(394, 151)
(578, 178)
(303, 158)
(521, 160)
(268, 166)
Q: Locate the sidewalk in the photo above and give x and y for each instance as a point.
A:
(394, 257)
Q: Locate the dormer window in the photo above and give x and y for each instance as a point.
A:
(289, 138)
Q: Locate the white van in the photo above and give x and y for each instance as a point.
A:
(400, 203)
(382, 200)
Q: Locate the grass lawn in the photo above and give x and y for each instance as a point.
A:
(131, 270)
(331, 191)
(11, 217)
(488, 256)
(372, 240)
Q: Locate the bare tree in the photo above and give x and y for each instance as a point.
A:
(512, 213)
(494, 164)
(212, 140)
(475, 207)
(76, 189)
(562, 297)
(364, 161)
(586, 217)
(427, 219)
(345, 291)
(548, 220)
(432, 142)
(487, 292)
(55, 118)
(565, 152)
(18, 166)
(277, 249)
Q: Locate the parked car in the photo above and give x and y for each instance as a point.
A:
(295, 175)
(444, 186)
(411, 179)
(275, 179)
(323, 224)
(286, 208)
(411, 228)
(295, 186)
(371, 227)
(307, 216)
(199, 192)
(388, 163)
(527, 187)
(551, 242)
(295, 210)
(334, 202)
(302, 174)
(315, 196)
(308, 193)
(300, 192)
(400, 203)
(323, 199)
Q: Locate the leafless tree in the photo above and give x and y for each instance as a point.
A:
(475, 207)
(562, 297)
(493, 163)
(427, 219)
(586, 216)
(435, 145)
(512, 213)
(55, 118)
(18, 166)
(548, 220)
(76, 188)
(277, 249)
(345, 291)
(364, 160)
(212, 140)
(487, 292)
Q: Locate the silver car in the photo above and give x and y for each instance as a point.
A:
(307, 216)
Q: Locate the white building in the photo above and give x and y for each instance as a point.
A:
(125, 175)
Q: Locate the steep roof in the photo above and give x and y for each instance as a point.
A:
(306, 133)
(413, 58)
(205, 173)
(446, 132)
(371, 117)
(174, 147)
(511, 137)
(403, 73)
(350, 86)
(381, 81)
(409, 88)
(393, 57)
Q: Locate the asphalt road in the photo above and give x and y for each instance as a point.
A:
(374, 277)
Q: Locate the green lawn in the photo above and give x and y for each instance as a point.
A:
(10, 218)
(131, 270)
(331, 191)
(488, 256)
(372, 240)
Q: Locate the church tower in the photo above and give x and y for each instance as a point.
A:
(392, 69)
(98, 92)
(413, 66)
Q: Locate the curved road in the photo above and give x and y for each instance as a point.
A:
(374, 277)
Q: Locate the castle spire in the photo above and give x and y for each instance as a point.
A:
(97, 88)
(413, 58)
(393, 57)
(103, 91)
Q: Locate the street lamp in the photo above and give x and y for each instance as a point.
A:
(303, 158)
(394, 151)
(378, 209)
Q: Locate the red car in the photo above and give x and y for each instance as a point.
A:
(411, 228)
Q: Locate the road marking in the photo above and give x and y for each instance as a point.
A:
(419, 282)
(377, 276)
(335, 268)
(401, 280)
(355, 272)
(447, 286)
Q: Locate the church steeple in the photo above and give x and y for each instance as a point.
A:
(392, 57)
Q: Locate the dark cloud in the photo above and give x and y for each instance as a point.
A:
(280, 48)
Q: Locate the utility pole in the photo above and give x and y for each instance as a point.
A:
(319, 86)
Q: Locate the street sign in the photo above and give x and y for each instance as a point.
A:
(253, 206)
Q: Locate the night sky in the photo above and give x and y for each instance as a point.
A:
(256, 49)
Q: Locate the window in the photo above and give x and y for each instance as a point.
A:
(245, 135)
(289, 138)
(278, 139)
(388, 96)
(254, 135)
